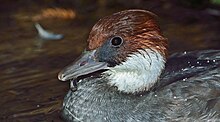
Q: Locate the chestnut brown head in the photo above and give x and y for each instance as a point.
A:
(138, 30)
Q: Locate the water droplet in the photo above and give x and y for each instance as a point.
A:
(207, 61)
(155, 95)
(79, 80)
(174, 97)
(188, 62)
(184, 79)
(192, 66)
(184, 52)
(197, 62)
(184, 69)
(213, 60)
(73, 85)
(185, 99)
(38, 106)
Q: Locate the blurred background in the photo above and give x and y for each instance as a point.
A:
(29, 88)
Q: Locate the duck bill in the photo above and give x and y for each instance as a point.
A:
(85, 65)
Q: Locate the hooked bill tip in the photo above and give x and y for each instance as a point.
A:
(61, 76)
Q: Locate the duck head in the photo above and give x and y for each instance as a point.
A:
(127, 47)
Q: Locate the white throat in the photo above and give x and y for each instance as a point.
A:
(138, 73)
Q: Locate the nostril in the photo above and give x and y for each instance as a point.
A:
(83, 63)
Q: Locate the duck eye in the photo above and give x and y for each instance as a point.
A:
(116, 41)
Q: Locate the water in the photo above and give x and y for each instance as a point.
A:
(30, 90)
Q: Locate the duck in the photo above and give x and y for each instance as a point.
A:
(126, 74)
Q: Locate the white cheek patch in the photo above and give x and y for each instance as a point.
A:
(140, 71)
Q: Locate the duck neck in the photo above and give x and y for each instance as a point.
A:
(138, 73)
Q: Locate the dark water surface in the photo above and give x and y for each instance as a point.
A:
(29, 88)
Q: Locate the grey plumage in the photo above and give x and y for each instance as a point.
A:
(188, 90)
